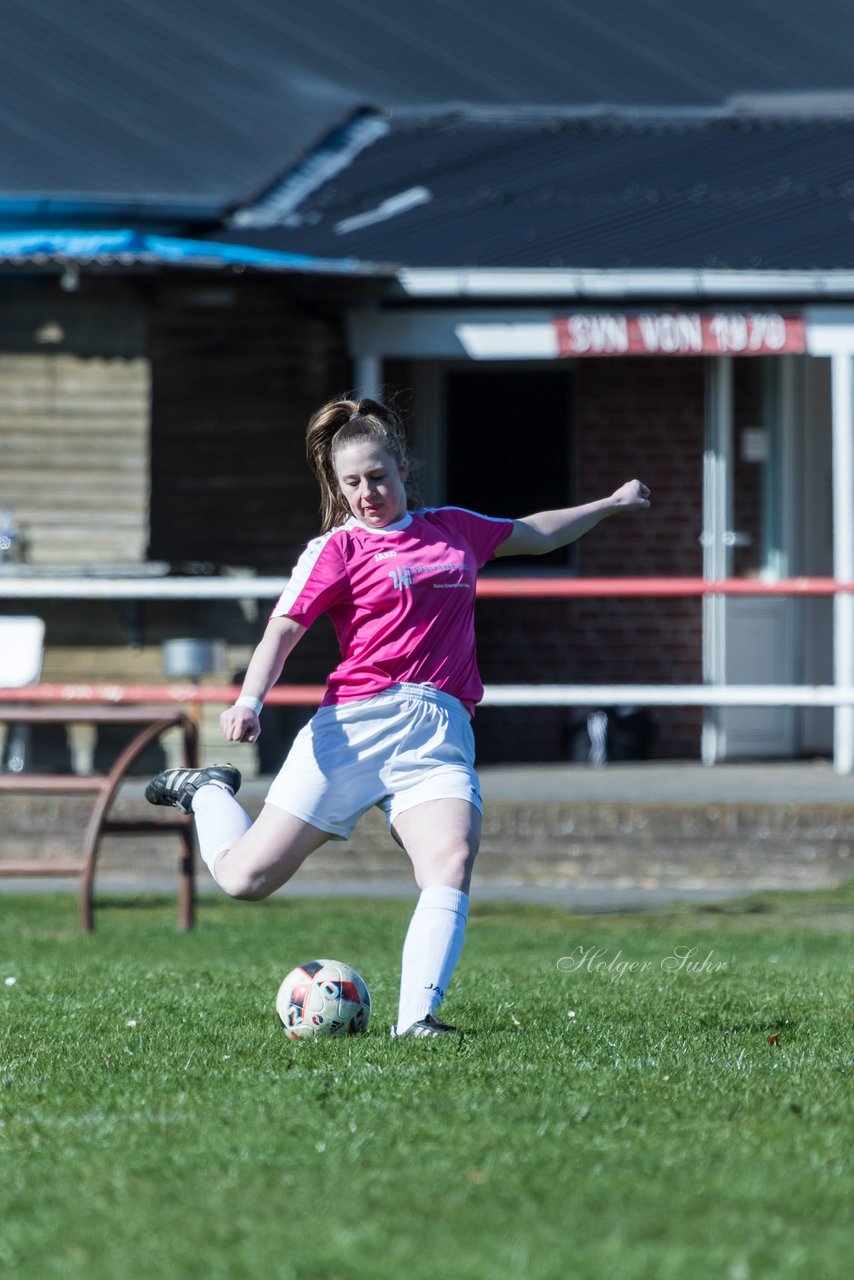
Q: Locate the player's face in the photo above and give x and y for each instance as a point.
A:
(372, 483)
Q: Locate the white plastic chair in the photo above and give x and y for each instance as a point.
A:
(21, 650)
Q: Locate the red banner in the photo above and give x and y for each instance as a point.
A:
(680, 333)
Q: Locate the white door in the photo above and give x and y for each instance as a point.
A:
(753, 530)
(760, 649)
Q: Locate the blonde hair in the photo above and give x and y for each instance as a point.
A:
(344, 422)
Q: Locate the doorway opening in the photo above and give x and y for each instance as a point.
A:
(508, 444)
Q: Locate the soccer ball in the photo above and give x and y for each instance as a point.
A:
(323, 998)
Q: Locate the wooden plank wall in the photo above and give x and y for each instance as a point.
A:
(74, 450)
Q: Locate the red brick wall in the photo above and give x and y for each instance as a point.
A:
(633, 417)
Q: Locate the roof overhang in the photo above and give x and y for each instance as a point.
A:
(469, 332)
(492, 283)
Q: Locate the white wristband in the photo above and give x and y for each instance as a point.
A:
(254, 704)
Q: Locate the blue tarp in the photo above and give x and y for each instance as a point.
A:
(125, 247)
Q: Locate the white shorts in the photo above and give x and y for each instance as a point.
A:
(398, 749)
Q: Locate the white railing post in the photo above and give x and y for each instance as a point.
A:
(717, 504)
(843, 553)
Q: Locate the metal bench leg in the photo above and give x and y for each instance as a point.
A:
(187, 883)
(95, 830)
(17, 748)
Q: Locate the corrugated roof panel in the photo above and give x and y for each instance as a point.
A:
(539, 190)
(208, 99)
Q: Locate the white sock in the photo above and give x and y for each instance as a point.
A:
(431, 950)
(220, 821)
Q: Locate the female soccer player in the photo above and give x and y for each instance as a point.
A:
(394, 728)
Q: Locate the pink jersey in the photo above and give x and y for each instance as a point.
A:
(401, 600)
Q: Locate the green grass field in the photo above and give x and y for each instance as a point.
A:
(655, 1096)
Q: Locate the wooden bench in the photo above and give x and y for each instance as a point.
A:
(152, 721)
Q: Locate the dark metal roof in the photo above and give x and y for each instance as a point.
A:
(200, 102)
(609, 190)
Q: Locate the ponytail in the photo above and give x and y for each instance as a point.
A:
(343, 422)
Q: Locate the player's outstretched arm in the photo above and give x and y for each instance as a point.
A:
(241, 723)
(547, 530)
